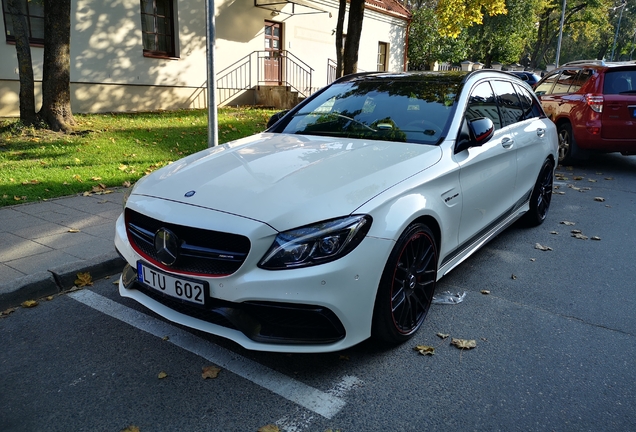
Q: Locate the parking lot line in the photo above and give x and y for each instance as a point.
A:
(322, 403)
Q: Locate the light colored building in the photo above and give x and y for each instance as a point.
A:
(138, 55)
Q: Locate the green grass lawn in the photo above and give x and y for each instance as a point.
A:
(107, 150)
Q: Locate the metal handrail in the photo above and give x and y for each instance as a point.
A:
(292, 72)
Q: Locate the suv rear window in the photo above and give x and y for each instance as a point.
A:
(620, 81)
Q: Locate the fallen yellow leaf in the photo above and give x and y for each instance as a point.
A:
(29, 303)
(425, 349)
(131, 428)
(543, 248)
(83, 279)
(162, 375)
(464, 343)
(7, 312)
(210, 372)
(269, 428)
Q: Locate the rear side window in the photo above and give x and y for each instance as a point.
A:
(482, 104)
(565, 81)
(620, 81)
(580, 79)
(530, 105)
(546, 86)
(509, 104)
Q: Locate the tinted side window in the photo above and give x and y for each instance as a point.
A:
(546, 86)
(482, 104)
(580, 79)
(530, 106)
(509, 104)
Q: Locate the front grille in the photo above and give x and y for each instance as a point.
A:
(201, 251)
(265, 322)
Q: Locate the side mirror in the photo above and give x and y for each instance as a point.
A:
(273, 119)
(474, 133)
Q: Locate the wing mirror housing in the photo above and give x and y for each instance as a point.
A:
(474, 133)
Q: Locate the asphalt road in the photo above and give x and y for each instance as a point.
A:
(556, 343)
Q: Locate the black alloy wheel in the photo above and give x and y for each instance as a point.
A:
(541, 195)
(407, 286)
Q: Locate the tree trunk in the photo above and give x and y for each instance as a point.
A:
(352, 43)
(342, 9)
(56, 79)
(25, 66)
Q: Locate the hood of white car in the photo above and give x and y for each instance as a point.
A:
(288, 181)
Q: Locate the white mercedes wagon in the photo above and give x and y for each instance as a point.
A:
(335, 224)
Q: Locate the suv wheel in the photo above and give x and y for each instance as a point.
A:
(567, 146)
(568, 150)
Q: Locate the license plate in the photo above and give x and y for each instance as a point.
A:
(189, 290)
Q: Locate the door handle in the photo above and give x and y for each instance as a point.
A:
(507, 142)
(540, 132)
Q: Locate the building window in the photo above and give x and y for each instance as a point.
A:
(33, 10)
(383, 51)
(157, 27)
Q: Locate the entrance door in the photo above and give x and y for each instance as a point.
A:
(273, 47)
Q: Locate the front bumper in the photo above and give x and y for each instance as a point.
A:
(315, 309)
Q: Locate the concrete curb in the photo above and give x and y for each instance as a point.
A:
(57, 280)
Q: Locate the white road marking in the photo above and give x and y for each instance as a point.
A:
(322, 403)
(300, 421)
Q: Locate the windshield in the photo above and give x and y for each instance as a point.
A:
(417, 111)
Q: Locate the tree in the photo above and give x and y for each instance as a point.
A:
(504, 37)
(352, 42)
(584, 20)
(347, 57)
(56, 88)
(456, 15)
(439, 28)
(56, 78)
(342, 10)
(427, 45)
(25, 65)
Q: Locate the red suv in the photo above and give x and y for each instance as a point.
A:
(593, 104)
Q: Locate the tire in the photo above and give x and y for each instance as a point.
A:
(407, 286)
(541, 195)
(568, 151)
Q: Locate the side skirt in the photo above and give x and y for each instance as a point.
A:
(465, 250)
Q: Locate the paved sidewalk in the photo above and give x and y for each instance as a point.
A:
(44, 245)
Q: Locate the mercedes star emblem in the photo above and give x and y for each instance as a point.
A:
(166, 246)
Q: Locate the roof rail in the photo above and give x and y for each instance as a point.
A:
(596, 62)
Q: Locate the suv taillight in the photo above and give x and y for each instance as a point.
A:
(595, 101)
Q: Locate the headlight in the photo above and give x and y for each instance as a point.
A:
(316, 244)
